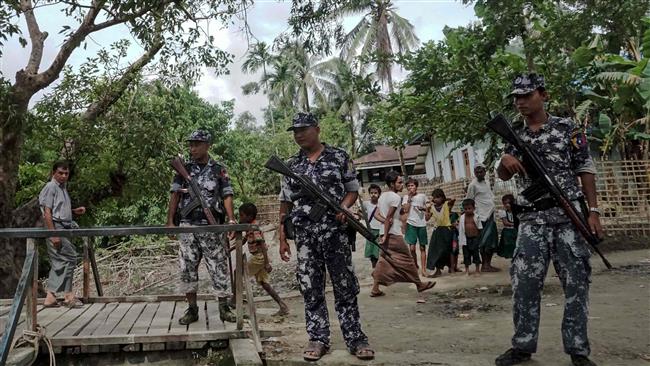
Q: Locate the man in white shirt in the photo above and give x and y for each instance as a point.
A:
(416, 223)
(371, 251)
(400, 266)
(480, 191)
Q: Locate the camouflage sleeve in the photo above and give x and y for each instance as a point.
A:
(177, 183)
(511, 150)
(581, 161)
(349, 175)
(226, 187)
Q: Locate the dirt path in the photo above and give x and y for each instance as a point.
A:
(467, 321)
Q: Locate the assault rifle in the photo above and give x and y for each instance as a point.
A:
(194, 191)
(322, 202)
(543, 182)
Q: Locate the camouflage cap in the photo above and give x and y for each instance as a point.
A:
(527, 83)
(303, 120)
(200, 135)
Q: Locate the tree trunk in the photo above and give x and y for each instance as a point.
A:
(353, 140)
(401, 162)
(13, 111)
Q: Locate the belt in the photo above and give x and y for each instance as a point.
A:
(539, 205)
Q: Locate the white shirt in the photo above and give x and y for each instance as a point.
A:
(387, 200)
(416, 213)
(462, 240)
(482, 194)
(370, 208)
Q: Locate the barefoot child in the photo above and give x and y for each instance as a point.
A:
(259, 265)
(469, 230)
(440, 248)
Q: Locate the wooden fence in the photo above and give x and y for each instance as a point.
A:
(623, 195)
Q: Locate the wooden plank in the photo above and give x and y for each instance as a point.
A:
(138, 298)
(125, 325)
(174, 326)
(239, 304)
(98, 320)
(60, 323)
(141, 326)
(32, 294)
(82, 321)
(122, 231)
(86, 271)
(244, 352)
(201, 324)
(144, 338)
(113, 319)
(160, 325)
(214, 321)
(255, 332)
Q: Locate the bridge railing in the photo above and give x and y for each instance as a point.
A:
(26, 291)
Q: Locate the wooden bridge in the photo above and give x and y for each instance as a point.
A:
(126, 323)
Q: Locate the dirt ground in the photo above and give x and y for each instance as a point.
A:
(467, 321)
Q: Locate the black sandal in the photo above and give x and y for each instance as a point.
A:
(363, 352)
(314, 351)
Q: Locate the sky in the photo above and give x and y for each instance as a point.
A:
(266, 19)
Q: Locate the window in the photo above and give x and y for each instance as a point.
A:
(452, 169)
(468, 171)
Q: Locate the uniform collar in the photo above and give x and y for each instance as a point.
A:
(551, 121)
(326, 150)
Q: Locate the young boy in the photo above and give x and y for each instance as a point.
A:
(469, 231)
(508, 240)
(416, 223)
(259, 265)
(372, 251)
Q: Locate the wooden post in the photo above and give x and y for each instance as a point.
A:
(32, 295)
(239, 301)
(93, 266)
(86, 269)
(251, 309)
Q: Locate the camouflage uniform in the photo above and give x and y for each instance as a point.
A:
(549, 235)
(324, 244)
(215, 186)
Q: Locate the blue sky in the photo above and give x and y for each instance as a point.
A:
(266, 19)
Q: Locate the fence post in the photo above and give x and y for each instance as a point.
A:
(86, 271)
(239, 301)
(93, 266)
(32, 294)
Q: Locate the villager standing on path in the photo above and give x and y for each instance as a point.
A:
(400, 267)
(322, 244)
(416, 223)
(545, 232)
(480, 191)
(214, 184)
(57, 211)
(371, 251)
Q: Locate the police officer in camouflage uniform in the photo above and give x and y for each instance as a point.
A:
(323, 244)
(213, 181)
(545, 233)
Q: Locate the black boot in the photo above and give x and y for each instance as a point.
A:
(225, 313)
(191, 315)
(512, 356)
(578, 360)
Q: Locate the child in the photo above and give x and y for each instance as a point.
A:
(455, 248)
(372, 251)
(509, 233)
(469, 231)
(259, 265)
(440, 247)
(416, 223)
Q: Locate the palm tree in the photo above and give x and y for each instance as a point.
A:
(336, 80)
(258, 56)
(302, 65)
(371, 37)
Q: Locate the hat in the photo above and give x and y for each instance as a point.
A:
(527, 83)
(200, 135)
(303, 120)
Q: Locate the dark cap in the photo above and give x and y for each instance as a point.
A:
(303, 120)
(200, 135)
(526, 84)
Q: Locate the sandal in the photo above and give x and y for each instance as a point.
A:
(55, 304)
(363, 352)
(314, 351)
(377, 294)
(427, 286)
(73, 304)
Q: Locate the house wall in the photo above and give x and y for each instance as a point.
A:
(444, 153)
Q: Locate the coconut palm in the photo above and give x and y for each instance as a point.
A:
(380, 34)
(302, 65)
(258, 56)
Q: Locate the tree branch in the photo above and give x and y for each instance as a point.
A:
(117, 88)
(37, 37)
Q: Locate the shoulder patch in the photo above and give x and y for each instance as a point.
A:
(578, 139)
